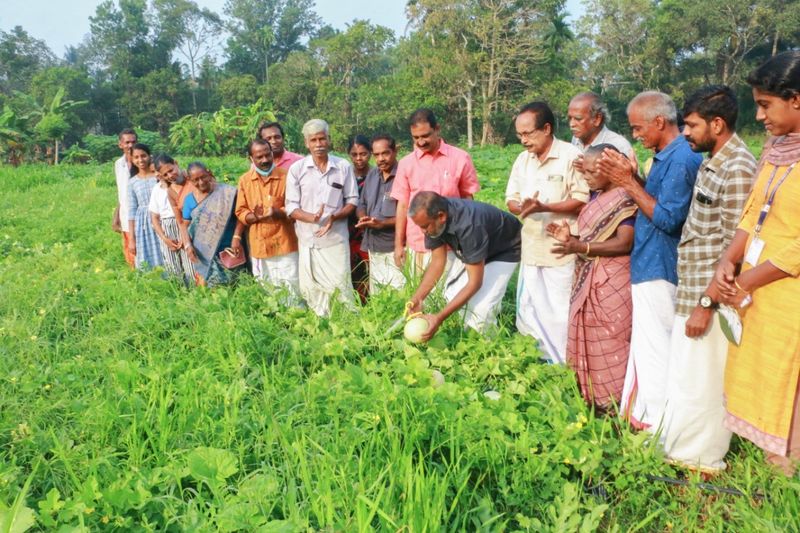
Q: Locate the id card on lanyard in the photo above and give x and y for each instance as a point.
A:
(756, 246)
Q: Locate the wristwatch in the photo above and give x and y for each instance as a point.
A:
(707, 303)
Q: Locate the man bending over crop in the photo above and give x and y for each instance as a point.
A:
(486, 243)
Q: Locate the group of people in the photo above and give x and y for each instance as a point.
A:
(673, 296)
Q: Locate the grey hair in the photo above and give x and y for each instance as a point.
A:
(196, 164)
(429, 202)
(596, 105)
(314, 126)
(655, 104)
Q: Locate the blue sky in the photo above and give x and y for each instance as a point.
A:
(61, 24)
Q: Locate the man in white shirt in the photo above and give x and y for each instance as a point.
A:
(122, 171)
(544, 187)
(321, 193)
(588, 116)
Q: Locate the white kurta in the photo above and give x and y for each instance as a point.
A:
(482, 309)
(323, 272)
(644, 392)
(281, 272)
(543, 295)
(694, 430)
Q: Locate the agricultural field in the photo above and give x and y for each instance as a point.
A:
(129, 403)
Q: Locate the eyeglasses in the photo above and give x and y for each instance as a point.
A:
(523, 135)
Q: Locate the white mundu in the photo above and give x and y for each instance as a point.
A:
(280, 271)
(383, 272)
(694, 430)
(324, 272)
(644, 392)
(543, 295)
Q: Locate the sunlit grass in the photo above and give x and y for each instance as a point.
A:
(147, 406)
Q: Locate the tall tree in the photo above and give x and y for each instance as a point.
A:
(489, 42)
(197, 32)
(21, 57)
(349, 59)
(264, 32)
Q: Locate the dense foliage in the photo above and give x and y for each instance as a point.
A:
(131, 403)
(147, 63)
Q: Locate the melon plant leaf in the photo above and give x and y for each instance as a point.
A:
(212, 465)
(16, 519)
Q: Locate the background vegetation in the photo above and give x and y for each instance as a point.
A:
(132, 404)
(150, 63)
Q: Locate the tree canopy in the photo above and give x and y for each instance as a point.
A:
(147, 63)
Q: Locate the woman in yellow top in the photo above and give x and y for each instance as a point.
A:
(761, 377)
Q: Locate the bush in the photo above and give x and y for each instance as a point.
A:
(223, 132)
(104, 148)
(76, 155)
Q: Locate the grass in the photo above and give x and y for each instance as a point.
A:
(131, 404)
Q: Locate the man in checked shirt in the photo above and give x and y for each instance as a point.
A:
(694, 434)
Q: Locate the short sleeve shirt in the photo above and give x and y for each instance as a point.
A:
(376, 201)
(655, 241)
(479, 232)
(555, 179)
(448, 172)
(159, 202)
(309, 189)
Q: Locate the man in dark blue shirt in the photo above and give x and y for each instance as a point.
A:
(663, 205)
(486, 242)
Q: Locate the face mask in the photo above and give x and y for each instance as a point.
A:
(264, 173)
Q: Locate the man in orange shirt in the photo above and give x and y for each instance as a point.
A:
(270, 232)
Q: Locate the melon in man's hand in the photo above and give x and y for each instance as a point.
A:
(415, 329)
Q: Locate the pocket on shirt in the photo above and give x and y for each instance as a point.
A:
(388, 206)
(334, 195)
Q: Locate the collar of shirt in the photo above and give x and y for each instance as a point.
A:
(715, 163)
(671, 147)
(444, 149)
(308, 162)
(553, 153)
(392, 173)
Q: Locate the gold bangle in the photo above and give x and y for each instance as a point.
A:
(588, 248)
(237, 237)
(736, 282)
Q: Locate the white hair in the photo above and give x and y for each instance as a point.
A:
(314, 126)
(654, 104)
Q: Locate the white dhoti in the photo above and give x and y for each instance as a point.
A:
(324, 272)
(481, 310)
(644, 392)
(280, 272)
(543, 295)
(419, 261)
(383, 272)
(694, 430)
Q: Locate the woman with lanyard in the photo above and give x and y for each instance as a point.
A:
(761, 376)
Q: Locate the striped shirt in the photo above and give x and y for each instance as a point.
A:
(720, 192)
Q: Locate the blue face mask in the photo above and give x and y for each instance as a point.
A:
(264, 173)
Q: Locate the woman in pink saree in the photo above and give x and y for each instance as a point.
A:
(600, 304)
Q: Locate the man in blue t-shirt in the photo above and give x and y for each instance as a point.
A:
(486, 243)
(663, 205)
